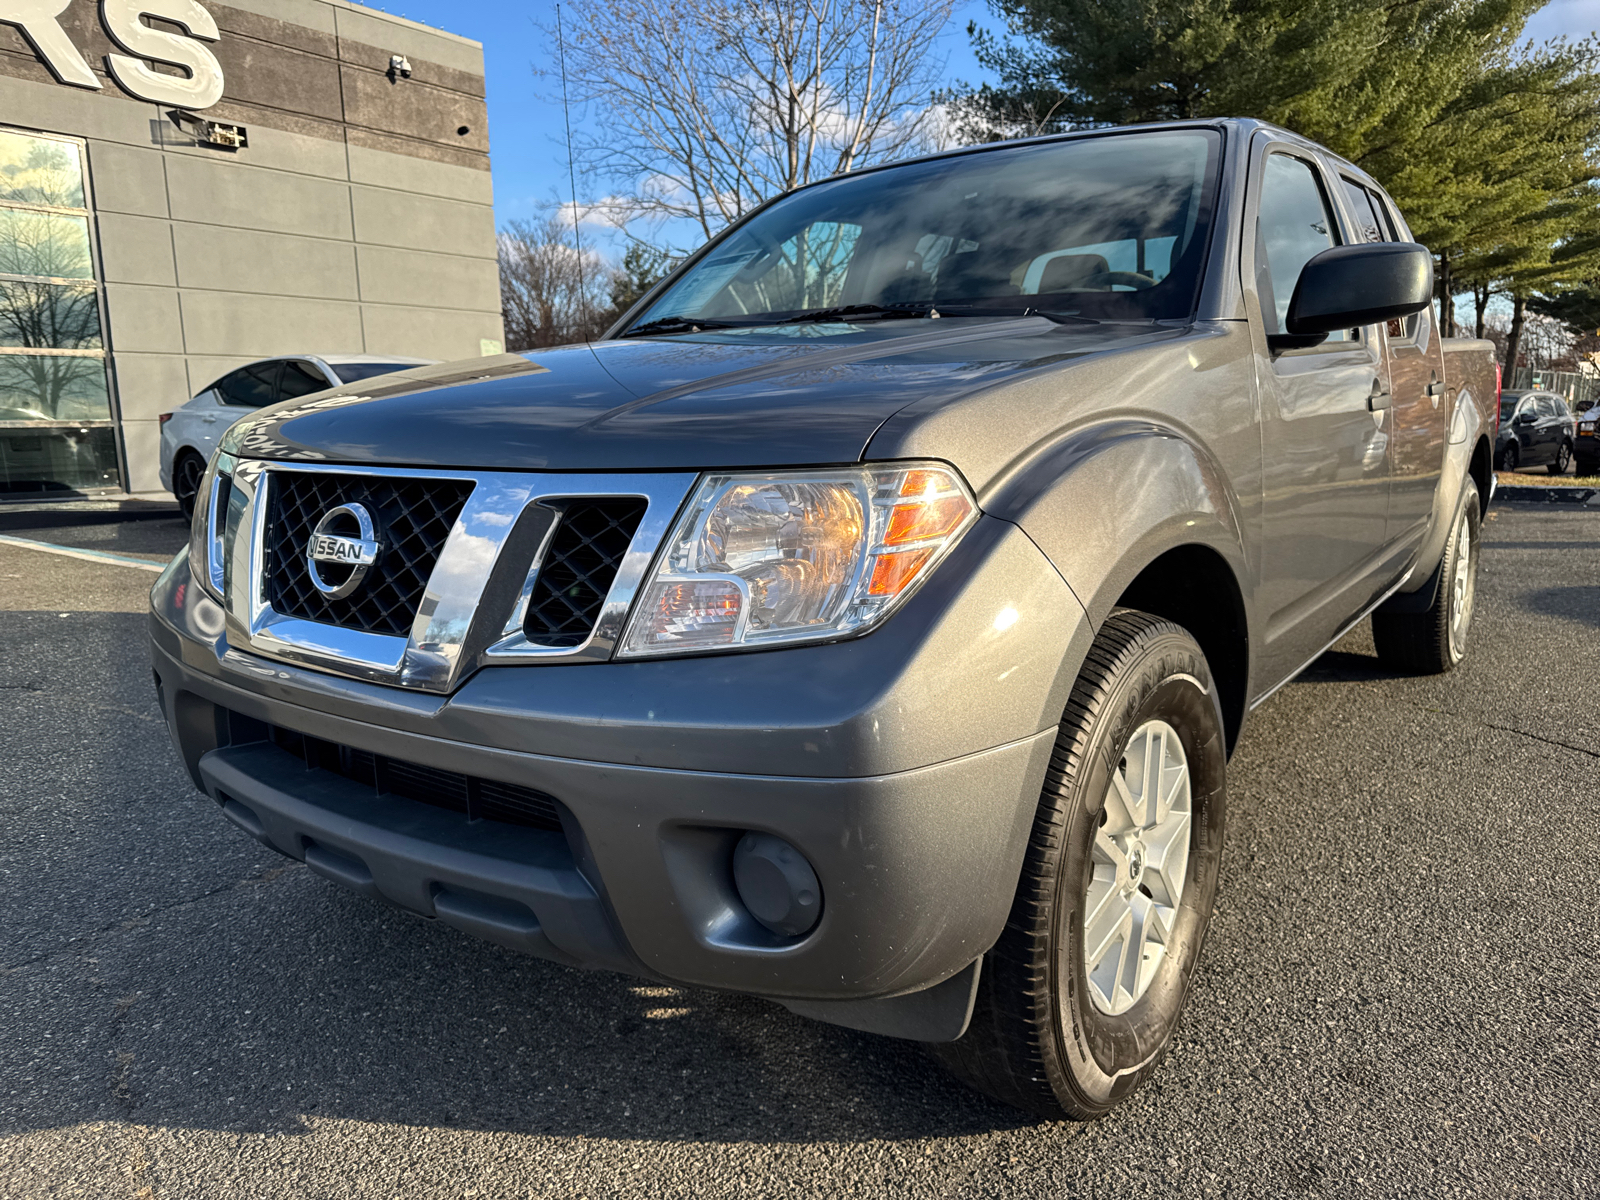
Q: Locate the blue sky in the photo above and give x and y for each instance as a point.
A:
(525, 128)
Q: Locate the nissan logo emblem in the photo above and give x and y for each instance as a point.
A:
(340, 549)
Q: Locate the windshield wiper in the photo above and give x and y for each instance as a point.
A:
(1060, 318)
(678, 325)
(863, 312)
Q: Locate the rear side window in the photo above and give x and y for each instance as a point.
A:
(1374, 224)
(250, 387)
(1369, 224)
(1295, 225)
(301, 379)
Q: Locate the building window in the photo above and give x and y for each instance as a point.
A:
(56, 432)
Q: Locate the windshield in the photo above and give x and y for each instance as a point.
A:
(1103, 227)
(356, 372)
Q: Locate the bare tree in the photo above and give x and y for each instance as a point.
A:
(706, 108)
(550, 292)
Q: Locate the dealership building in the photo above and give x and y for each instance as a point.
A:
(187, 185)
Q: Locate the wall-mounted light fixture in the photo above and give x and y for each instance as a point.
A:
(211, 133)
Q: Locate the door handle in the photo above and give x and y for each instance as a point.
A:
(209, 419)
(1436, 389)
(1378, 398)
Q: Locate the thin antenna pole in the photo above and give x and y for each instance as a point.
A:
(572, 176)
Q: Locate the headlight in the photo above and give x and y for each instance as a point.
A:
(1586, 425)
(761, 560)
(207, 531)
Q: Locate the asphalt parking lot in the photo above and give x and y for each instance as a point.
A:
(1398, 997)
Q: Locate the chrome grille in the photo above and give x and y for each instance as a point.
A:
(583, 558)
(414, 516)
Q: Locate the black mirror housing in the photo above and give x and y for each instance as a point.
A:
(1362, 284)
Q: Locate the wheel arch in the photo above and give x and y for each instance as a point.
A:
(1170, 544)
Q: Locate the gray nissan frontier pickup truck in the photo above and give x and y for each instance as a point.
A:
(866, 620)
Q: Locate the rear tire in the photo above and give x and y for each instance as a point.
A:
(187, 471)
(1434, 641)
(1563, 460)
(1049, 1033)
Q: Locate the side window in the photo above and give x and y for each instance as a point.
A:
(1384, 226)
(249, 387)
(1294, 226)
(1368, 225)
(300, 379)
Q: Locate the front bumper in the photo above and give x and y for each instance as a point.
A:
(905, 765)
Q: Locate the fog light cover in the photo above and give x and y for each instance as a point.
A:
(776, 884)
(758, 560)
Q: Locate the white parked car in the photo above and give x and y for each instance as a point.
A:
(189, 433)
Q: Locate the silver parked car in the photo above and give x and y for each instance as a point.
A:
(189, 433)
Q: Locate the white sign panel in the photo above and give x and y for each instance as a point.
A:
(200, 87)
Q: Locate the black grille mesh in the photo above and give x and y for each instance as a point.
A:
(413, 518)
(478, 799)
(583, 558)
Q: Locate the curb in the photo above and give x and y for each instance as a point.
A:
(1587, 496)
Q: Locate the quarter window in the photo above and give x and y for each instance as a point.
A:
(1295, 225)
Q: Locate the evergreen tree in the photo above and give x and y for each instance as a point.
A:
(1489, 150)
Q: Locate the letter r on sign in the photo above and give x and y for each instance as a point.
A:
(38, 20)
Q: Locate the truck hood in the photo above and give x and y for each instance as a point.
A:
(775, 396)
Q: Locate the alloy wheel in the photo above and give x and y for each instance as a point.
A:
(1139, 859)
(186, 482)
(1463, 587)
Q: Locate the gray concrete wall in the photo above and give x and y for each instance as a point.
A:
(358, 220)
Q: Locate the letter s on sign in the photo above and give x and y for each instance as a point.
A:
(201, 89)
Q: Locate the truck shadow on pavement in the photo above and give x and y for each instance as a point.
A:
(282, 1001)
(1344, 666)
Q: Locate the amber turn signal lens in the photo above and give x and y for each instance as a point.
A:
(927, 519)
(891, 572)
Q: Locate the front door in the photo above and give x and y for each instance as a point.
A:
(1324, 430)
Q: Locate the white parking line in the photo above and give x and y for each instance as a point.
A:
(119, 560)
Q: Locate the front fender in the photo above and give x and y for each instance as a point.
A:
(1109, 499)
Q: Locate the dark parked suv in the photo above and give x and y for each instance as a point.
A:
(865, 622)
(1537, 429)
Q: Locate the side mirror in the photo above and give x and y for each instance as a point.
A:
(1525, 418)
(1362, 284)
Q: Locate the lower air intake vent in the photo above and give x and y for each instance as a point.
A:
(578, 569)
(477, 799)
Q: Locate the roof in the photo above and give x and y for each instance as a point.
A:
(333, 359)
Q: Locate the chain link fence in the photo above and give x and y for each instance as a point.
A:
(1577, 390)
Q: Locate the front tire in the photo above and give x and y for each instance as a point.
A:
(1562, 461)
(1509, 458)
(1126, 844)
(1435, 640)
